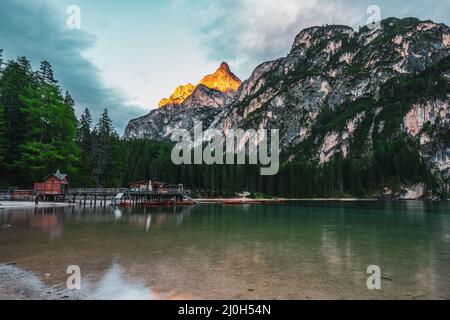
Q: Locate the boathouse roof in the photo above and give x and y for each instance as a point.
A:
(58, 175)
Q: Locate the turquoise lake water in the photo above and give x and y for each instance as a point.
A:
(301, 250)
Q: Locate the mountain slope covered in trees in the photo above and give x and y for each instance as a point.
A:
(368, 111)
(359, 112)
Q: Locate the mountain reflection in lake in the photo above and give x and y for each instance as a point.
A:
(294, 251)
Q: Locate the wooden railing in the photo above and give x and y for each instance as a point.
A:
(171, 189)
(96, 191)
(114, 191)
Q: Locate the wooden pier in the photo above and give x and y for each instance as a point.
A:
(172, 195)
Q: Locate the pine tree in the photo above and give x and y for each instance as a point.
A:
(1, 61)
(45, 74)
(16, 79)
(2, 140)
(104, 126)
(115, 162)
(107, 153)
(50, 141)
(84, 134)
(24, 64)
(68, 100)
(84, 142)
(2, 127)
(37, 124)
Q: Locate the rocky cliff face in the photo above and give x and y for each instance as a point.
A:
(186, 105)
(328, 66)
(428, 122)
(339, 72)
(160, 124)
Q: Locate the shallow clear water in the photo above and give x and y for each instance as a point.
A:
(305, 250)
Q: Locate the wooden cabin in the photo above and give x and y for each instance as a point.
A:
(150, 185)
(164, 188)
(160, 187)
(145, 185)
(55, 184)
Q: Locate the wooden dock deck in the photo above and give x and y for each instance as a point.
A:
(168, 196)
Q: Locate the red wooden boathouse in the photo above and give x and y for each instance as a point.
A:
(55, 184)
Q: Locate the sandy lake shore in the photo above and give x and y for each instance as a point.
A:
(27, 205)
(18, 284)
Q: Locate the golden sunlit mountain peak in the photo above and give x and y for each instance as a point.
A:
(222, 80)
(178, 97)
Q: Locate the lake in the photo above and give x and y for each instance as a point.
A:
(299, 250)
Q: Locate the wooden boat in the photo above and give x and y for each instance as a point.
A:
(255, 202)
(156, 204)
(252, 201)
(184, 203)
(232, 202)
(126, 204)
(167, 204)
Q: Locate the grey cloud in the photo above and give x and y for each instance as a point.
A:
(35, 29)
(248, 32)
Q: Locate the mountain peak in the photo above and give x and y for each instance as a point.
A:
(222, 80)
(180, 94)
(225, 67)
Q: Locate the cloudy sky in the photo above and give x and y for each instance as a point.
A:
(127, 55)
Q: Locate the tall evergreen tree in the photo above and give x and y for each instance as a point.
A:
(50, 142)
(68, 100)
(45, 74)
(84, 134)
(37, 124)
(1, 61)
(108, 155)
(2, 125)
(115, 162)
(85, 144)
(102, 133)
(2, 140)
(16, 80)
